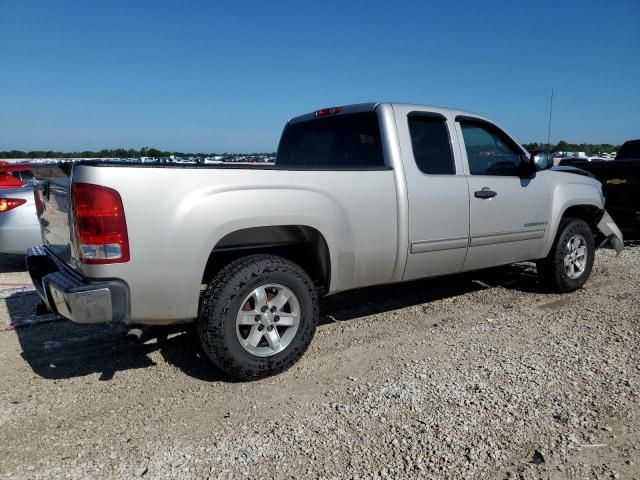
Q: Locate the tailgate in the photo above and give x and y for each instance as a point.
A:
(54, 212)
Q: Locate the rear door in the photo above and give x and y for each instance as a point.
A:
(509, 213)
(437, 191)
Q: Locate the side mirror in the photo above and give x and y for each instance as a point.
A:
(541, 161)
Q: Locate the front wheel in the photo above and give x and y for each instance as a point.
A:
(569, 263)
(258, 316)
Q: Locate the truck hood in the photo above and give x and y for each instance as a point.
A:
(576, 175)
(572, 175)
(569, 169)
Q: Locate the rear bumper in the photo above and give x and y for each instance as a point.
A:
(68, 294)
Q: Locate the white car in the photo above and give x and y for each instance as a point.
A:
(19, 227)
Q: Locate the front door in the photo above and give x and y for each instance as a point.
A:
(509, 213)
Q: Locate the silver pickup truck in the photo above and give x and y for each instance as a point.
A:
(359, 195)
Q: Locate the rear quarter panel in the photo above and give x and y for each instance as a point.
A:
(176, 216)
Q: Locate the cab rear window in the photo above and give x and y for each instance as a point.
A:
(431, 144)
(341, 141)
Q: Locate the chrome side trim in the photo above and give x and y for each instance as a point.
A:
(421, 246)
(505, 237)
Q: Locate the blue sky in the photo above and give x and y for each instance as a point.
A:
(225, 76)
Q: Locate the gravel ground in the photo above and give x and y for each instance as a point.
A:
(478, 376)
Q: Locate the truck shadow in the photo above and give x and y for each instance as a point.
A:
(373, 300)
(58, 349)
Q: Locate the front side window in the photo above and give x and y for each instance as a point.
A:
(347, 140)
(489, 152)
(431, 144)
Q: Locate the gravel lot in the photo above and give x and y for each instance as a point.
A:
(480, 376)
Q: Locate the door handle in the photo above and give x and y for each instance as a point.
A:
(485, 193)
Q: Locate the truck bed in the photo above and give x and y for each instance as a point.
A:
(177, 214)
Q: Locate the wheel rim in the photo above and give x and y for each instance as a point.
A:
(268, 320)
(575, 259)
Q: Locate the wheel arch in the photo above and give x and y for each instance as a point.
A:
(566, 269)
(302, 244)
(582, 200)
(589, 213)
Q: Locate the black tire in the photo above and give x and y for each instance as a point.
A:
(221, 303)
(551, 270)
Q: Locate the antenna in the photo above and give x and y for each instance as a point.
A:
(549, 128)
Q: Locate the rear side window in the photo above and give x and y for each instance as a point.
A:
(431, 144)
(349, 140)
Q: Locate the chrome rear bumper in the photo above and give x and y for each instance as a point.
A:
(67, 293)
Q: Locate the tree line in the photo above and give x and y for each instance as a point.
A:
(113, 153)
(562, 146)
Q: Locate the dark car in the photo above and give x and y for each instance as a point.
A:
(629, 151)
(620, 185)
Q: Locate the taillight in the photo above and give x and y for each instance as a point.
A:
(7, 204)
(100, 225)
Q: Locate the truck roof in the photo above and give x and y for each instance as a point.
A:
(371, 106)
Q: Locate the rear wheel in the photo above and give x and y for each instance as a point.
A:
(258, 316)
(569, 263)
